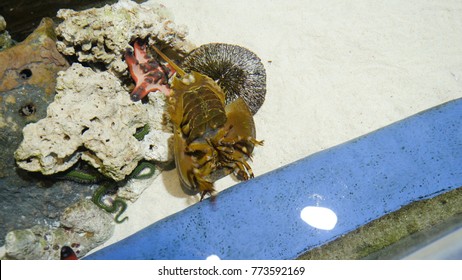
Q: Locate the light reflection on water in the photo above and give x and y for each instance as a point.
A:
(213, 258)
(319, 217)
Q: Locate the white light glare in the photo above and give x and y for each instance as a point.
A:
(213, 258)
(319, 217)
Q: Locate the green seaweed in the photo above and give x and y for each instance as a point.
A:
(83, 173)
(141, 132)
(80, 176)
(136, 174)
(113, 208)
(119, 203)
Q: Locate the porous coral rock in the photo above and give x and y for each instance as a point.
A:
(101, 35)
(93, 119)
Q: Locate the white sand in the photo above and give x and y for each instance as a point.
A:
(335, 71)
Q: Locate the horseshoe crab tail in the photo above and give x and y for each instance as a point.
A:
(177, 68)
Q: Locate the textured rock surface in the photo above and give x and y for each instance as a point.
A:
(24, 16)
(27, 200)
(2, 23)
(35, 61)
(88, 221)
(5, 38)
(93, 119)
(83, 227)
(101, 35)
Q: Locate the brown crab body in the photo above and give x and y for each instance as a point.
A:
(210, 138)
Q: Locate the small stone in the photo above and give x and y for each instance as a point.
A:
(22, 244)
(2, 23)
(86, 218)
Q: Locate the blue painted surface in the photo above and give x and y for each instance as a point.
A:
(360, 180)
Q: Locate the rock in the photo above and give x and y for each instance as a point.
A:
(18, 107)
(27, 79)
(5, 38)
(35, 61)
(91, 225)
(22, 243)
(26, 203)
(2, 24)
(94, 119)
(27, 200)
(101, 35)
(83, 227)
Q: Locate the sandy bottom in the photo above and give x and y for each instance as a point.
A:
(335, 71)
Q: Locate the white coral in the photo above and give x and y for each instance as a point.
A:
(93, 119)
(101, 35)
